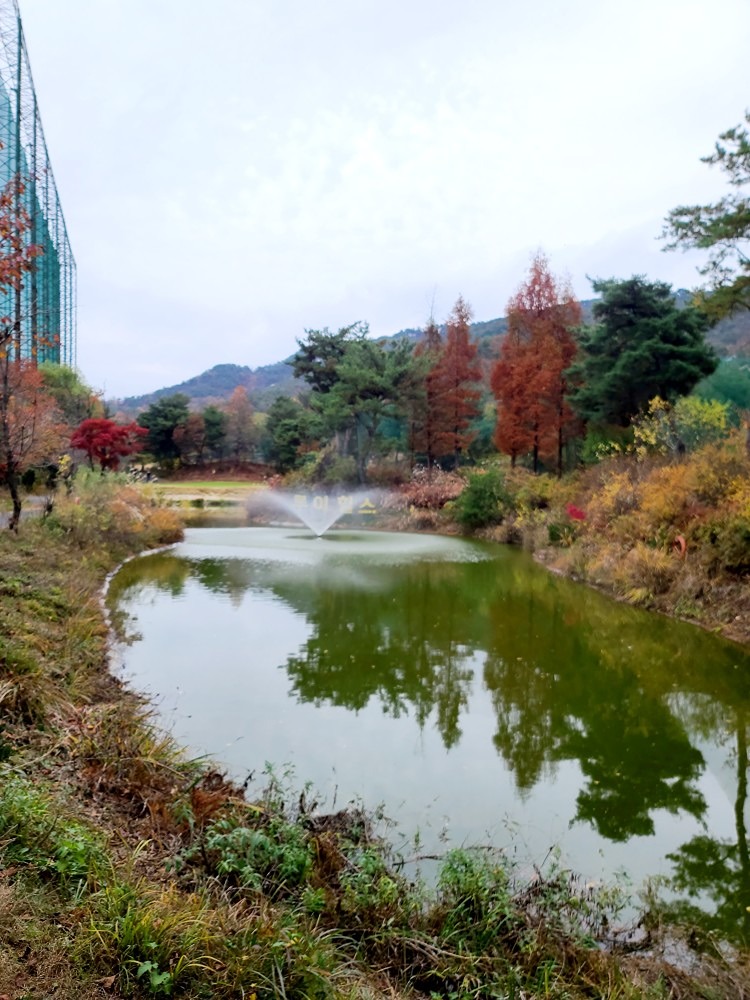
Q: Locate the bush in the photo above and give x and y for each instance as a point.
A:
(601, 443)
(432, 489)
(689, 424)
(484, 500)
(638, 574)
(326, 466)
(274, 859)
(729, 541)
(107, 507)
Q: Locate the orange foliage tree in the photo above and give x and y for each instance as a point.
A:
(31, 431)
(529, 379)
(29, 428)
(190, 439)
(453, 383)
(240, 427)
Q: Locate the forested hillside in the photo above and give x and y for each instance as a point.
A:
(731, 336)
(218, 383)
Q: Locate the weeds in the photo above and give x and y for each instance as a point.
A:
(123, 750)
(157, 938)
(35, 835)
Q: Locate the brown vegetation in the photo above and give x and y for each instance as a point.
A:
(668, 534)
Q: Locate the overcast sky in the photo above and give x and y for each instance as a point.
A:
(235, 172)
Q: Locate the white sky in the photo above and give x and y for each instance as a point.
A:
(236, 171)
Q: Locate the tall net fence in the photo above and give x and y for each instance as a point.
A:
(41, 315)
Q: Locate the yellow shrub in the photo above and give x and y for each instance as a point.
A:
(602, 565)
(739, 496)
(665, 496)
(616, 496)
(645, 572)
(104, 508)
(163, 526)
(715, 470)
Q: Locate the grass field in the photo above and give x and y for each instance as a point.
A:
(212, 485)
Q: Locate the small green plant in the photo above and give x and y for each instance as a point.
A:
(474, 892)
(159, 982)
(484, 500)
(562, 533)
(372, 892)
(34, 834)
(275, 858)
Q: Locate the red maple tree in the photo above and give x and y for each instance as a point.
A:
(453, 382)
(529, 381)
(26, 411)
(106, 442)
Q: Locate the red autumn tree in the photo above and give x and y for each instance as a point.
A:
(27, 414)
(190, 439)
(512, 382)
(529, 380)
(454, 382)
(106, 442)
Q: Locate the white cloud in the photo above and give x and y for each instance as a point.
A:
(263, 167)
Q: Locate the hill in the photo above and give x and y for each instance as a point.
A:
(263, 384)
(730, 337)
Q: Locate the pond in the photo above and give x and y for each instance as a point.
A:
(477, 697)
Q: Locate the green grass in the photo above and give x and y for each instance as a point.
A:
(191, 486)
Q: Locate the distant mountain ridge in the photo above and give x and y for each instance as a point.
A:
(218, 383)
(266, 383)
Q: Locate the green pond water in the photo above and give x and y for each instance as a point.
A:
(476, 696)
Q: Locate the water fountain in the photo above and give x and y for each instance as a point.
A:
(317, 511)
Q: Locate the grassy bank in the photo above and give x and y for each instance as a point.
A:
(668, 534)
(671, 534)
(127, 870)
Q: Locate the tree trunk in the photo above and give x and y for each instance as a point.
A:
(11, 476)
(12, 480)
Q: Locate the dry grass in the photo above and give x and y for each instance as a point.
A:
(674, 536)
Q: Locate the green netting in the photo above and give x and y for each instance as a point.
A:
(42, 314)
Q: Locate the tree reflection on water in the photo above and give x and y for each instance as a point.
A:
(571, 676)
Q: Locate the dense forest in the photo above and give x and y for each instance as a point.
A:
(547, 390)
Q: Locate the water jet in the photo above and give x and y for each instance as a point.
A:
(318, 511)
